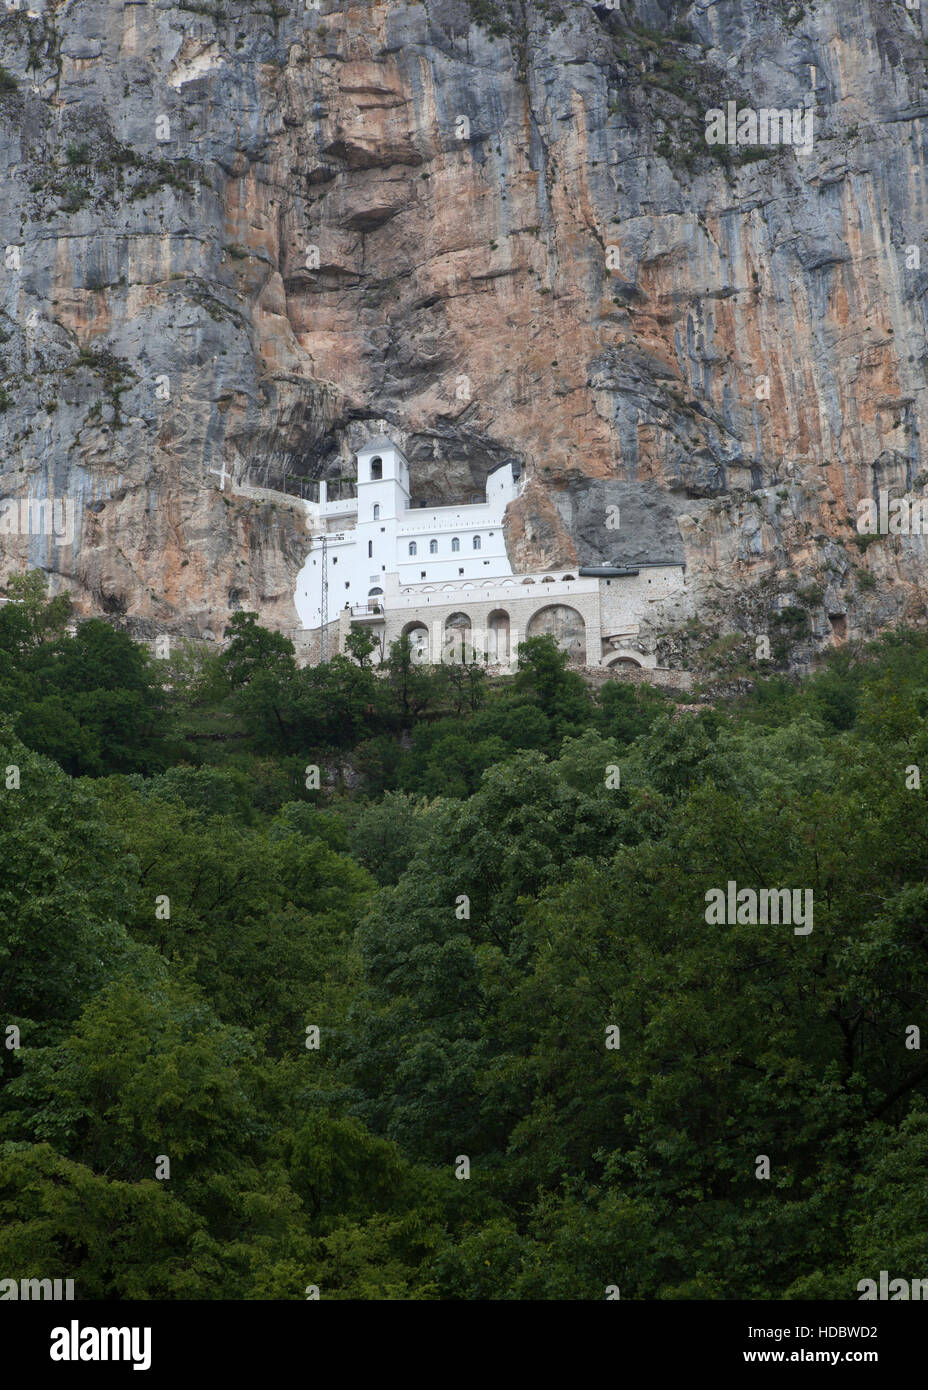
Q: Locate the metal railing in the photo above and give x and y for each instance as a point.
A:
(341, 489)
(309, 489)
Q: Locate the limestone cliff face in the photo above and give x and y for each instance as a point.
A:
(242, 237)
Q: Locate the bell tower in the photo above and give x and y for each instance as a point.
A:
(383, 481)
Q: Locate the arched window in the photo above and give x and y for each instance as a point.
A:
(370, 549)
(455, 543)
(376, 511)
(476, 542)
(433, 547)
(412, 547)
(376, 469)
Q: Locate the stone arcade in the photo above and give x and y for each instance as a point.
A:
(442, 576)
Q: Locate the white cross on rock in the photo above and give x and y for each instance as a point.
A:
(221, 474)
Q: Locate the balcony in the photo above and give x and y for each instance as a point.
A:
(370, 612)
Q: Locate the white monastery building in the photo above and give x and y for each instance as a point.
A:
(442, 576)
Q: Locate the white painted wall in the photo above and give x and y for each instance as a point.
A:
(371, 552)
(377, 545)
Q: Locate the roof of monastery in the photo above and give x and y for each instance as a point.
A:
(379, 441)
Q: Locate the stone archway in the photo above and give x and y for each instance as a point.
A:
(631, 660)
(458, 641)
(418, 635)
(498, 636)
(565, 625)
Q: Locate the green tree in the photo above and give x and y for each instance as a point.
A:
(94, 702)
(457, 908)
(63, 889)
(30, 616)
(360, 643)
(388, 833)
(115, 1239)
(543, 675)
(412, 683)
(252, 649)
(264, 922)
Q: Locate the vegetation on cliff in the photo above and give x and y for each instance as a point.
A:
(479, 884)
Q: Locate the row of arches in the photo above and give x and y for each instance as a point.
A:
(463, 586)
(494, 642)
(461, 641)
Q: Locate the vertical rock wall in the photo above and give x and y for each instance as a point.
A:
(241, 237)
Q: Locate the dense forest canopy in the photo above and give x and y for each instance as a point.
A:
(401, 985)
